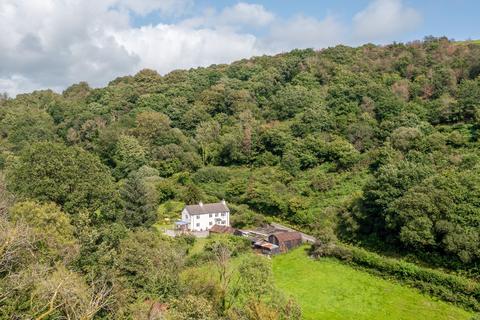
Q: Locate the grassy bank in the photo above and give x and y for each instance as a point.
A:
(328, 289)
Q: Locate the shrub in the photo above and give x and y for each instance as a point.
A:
(236, 245)
(210, 174)
(188, 239)
(243, 217)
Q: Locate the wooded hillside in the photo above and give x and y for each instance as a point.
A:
(375, 145)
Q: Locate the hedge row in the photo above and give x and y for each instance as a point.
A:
(452, 288)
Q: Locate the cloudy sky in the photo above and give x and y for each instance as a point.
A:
(55, 43)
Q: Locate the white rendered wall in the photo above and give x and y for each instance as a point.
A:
(202, 222)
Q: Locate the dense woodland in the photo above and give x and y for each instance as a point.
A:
(375, 146)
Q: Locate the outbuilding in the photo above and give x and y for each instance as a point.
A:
(266, 247)
(223, 229)
(286, 240)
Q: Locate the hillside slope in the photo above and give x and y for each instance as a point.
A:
(377, 146)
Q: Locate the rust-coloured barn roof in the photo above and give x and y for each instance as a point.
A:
(266, 245)
(222, 229)
(207, 208)
(288, 236)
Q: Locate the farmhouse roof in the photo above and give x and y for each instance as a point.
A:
(287, 236)
(205, 208)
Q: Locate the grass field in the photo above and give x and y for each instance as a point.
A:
(473, 41)
(328, 289)
(468, 42)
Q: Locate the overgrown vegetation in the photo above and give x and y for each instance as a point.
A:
(376, 146)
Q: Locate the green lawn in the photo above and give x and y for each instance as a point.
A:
(328, 289)
(161, 227)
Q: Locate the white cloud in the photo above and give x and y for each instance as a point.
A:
(54, 43)
(240, 16)
(246, 14)
(61, 42)
(382, 19)
(166, 7)
(17, 84)
(167, 47)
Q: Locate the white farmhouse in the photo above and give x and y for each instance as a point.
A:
(201, 217)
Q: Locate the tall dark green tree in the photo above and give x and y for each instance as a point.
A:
(138, 211)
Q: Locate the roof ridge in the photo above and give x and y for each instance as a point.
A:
(207, 208)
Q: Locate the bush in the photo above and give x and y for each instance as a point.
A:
(236, 245)
(199, 258)
(188, 239)
(243, 217)
(210, 174)
(191, 307)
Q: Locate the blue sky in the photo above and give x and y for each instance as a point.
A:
(55, 43)
(457, 19)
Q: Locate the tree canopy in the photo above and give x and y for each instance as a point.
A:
(374, 145)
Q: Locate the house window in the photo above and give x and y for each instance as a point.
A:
(210, 215)
(198, 217)
(186, 216)
(198, 224)
(223, 214)
(216, 214)
(210, 223)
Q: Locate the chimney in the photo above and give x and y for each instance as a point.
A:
(223, 202)
(200, 204)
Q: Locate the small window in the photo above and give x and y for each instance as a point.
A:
(198, 217)
(216, 214)
(210, 222)
(198, 224)
(210, 215)
(223, 214)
